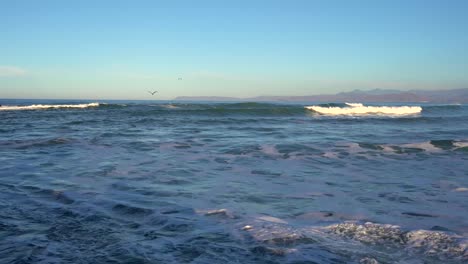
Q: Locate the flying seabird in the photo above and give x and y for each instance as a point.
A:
(152, 93)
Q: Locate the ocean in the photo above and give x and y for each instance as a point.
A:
(245, 182)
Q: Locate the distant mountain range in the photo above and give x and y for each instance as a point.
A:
(376, 95)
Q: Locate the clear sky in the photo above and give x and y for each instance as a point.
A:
(120, 49)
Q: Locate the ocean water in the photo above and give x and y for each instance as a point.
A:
(185, 182)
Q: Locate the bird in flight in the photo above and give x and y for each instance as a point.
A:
(152, 93)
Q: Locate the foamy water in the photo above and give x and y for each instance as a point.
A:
(355, 104)
(41, 106)
(360, 109)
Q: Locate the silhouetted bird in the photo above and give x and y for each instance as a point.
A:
(152, 93)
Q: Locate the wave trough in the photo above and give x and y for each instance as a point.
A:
(360, 109)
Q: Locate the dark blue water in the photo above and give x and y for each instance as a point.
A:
(161, 182)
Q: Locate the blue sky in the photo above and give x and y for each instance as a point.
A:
(121, 49)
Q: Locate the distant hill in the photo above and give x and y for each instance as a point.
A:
(207, 98)
(376, 95)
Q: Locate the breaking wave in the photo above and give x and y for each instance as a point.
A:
(360, 109)
(41, 106)
(436, 244)
(354, 104)
(381, 241)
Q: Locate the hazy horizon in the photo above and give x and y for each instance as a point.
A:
(155, 98)
(118, 50)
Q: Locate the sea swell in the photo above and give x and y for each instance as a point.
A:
(335, 110)
(249, 108)
(169, 182)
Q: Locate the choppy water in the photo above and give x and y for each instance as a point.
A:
(161, 182)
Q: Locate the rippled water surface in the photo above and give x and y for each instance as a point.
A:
(161, 182)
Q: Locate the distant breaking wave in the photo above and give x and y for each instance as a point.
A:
(40, 106)
(355, 104)
(360, 109)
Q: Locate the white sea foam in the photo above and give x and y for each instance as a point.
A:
(426, 146)
(218, 212)
(40, 106)
(360, 109)
(275, 235)
(271, 219)
(168, 106)
(430, 243)
(270, 150)
(460, 144)
(354, 104)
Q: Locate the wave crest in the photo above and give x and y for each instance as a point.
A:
(40, 106)
(360, 109)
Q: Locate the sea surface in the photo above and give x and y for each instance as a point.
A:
(201, 182)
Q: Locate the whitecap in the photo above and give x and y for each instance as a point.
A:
(216, 212)
(416, 243)
(270, 150)
(354, 104)
(426, 146)
(40, 106)
(169, 106)
(360, 109)
(460, 144)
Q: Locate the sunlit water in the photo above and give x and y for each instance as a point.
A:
(161, 182)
